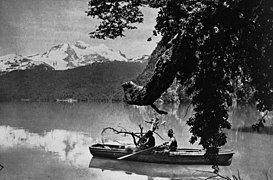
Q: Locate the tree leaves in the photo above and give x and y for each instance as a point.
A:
(225, 46)
(116, 16)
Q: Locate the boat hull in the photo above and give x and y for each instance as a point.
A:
(181, 156)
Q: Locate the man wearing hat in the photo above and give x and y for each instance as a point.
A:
(149, 140)
(172, 144)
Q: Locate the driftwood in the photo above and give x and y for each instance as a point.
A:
(137, 135)
(124, 132)
(133, 134)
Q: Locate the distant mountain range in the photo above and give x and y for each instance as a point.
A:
(13, 62)
(65, 56)
(99, 82)
(78, 72)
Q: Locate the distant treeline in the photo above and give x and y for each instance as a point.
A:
(99, 81)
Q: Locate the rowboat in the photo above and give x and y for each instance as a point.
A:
(180, 156)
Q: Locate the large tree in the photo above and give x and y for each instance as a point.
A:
(210, 46)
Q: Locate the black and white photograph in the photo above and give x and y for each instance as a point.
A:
(136, 89)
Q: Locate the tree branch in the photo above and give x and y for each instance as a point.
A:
(120, 132)
(134, 135)
(157, 110)
(163, 76)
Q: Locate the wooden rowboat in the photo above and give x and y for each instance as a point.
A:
(181, 156)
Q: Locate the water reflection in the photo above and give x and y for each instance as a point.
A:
(68, 146)
(38, 140)
(152, 169)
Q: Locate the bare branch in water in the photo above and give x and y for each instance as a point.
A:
(120, 131)
(123, 131)
(122, 128)
(136, 136)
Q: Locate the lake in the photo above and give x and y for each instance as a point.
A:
(50, 141)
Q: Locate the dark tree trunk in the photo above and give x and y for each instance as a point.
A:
(164, 73)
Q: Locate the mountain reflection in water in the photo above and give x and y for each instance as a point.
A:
(50, 141)
(68, 146)
(72, 148)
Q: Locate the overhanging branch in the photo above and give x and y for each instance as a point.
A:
(163, 76)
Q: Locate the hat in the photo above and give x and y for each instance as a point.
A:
(149, 133)
(170, 131)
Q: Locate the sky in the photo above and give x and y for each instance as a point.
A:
(29, 27)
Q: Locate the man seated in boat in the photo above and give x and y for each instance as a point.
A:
(144, 142)
(148, 140)
(172, 144)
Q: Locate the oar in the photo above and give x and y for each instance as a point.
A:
(129, 155)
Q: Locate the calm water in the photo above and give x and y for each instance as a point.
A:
(50, 141)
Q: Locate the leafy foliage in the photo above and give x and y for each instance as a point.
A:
(115, 15)
(223, 44)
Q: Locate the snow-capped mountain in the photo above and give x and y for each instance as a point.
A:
(66, 56)
(13, 62)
